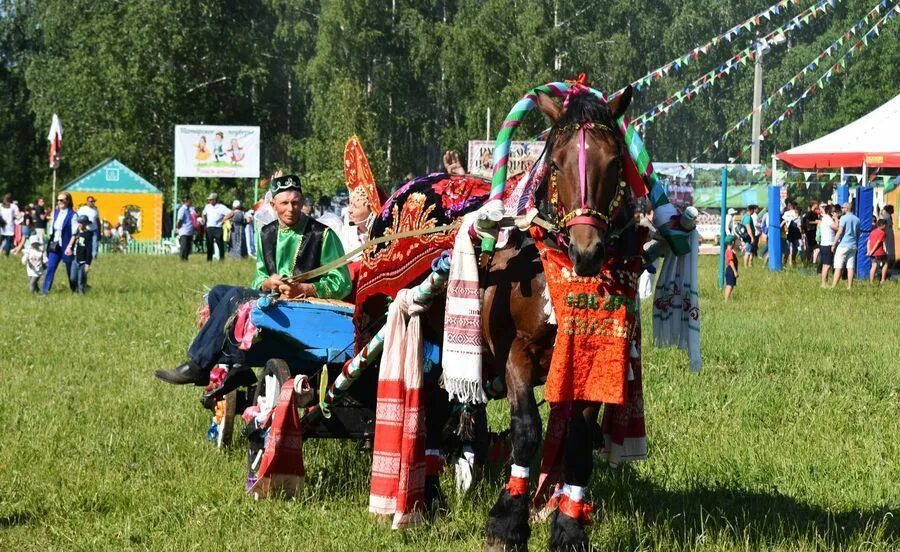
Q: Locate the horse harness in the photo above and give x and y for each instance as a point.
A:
(584, 214)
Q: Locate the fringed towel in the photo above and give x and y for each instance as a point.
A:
(398, 462)
(676, 304)
(462, 322)
(282, 471)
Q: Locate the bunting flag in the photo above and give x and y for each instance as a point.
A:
(837, 67)
(685, 59)
(55, 139)
(703, 82)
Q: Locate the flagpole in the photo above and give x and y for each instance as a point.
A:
(175, 208)
(54, 187)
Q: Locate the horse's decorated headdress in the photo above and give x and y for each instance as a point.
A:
(638, 170)
(358, 174)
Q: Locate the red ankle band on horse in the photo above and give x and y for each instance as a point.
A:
(517, 486)
(576, 509)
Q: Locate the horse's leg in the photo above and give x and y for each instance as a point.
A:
(567, 523)
(507, 526)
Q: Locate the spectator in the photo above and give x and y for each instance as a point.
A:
(729, 221)
(828, 226)
(214, 214)
(40, 218)
(238, 221)
(34, 260)
(809, 225)
(887, 214)
(747, 233)
(26, 228)
(63, 228)
(9, 213)
(757, 227)
(790, 225)
(186, 221)
(90, 211)
(731, 267)
(875, 249)
(845, 246)
(249, 236)
(82, 251)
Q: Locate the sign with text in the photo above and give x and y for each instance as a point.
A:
(522, 155)
(217, 151)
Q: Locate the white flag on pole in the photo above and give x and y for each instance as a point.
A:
(55, 139)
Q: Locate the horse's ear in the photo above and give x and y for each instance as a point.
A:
(549, 107)
(620, 104)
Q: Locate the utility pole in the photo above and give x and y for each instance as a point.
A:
(757, 103)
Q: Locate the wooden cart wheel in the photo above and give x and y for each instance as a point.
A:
(226, 431)
(274, 367)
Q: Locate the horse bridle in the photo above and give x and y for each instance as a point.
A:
(585, 214)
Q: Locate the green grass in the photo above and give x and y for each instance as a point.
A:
(788, 440)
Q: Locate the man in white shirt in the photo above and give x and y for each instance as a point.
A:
(9, 212)
(90, 211)
(214, 214)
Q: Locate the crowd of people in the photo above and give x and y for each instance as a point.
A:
(64, 236)
(220, 231)
(825, 236)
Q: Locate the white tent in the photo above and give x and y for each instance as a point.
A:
(871, 141)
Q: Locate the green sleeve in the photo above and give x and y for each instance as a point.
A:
(335, 284)
(261, 274)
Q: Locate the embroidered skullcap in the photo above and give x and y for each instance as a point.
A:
(288, 182)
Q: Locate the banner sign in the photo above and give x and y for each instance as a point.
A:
(522, 155)
(216, 151)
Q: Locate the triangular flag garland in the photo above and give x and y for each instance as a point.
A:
(733, 64)
(743, 27)
(821, 82)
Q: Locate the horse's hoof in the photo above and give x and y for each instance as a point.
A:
(567, 533)
(507, 526)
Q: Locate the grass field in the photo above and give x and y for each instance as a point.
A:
(788, 440)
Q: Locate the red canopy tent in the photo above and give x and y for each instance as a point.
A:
(871, 141)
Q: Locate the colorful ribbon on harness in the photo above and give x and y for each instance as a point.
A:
(638, 173)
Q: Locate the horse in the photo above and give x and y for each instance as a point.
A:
(582, 193)
(584, 156)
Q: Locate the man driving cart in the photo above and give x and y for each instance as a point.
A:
(292, 244)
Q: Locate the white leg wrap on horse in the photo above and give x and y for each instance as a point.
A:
(519, 471)
(433, 452)
(574, 492)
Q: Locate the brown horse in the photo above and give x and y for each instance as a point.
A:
(584, 157)
(587, 166)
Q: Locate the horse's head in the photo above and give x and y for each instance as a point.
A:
(584, 154)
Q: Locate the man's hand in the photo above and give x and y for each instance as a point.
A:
(272, 283)
(87, 268)
(297, 291)
(68, 251)
(452, 164)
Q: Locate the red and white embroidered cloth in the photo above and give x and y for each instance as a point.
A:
(282, 470)
(398, 463)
